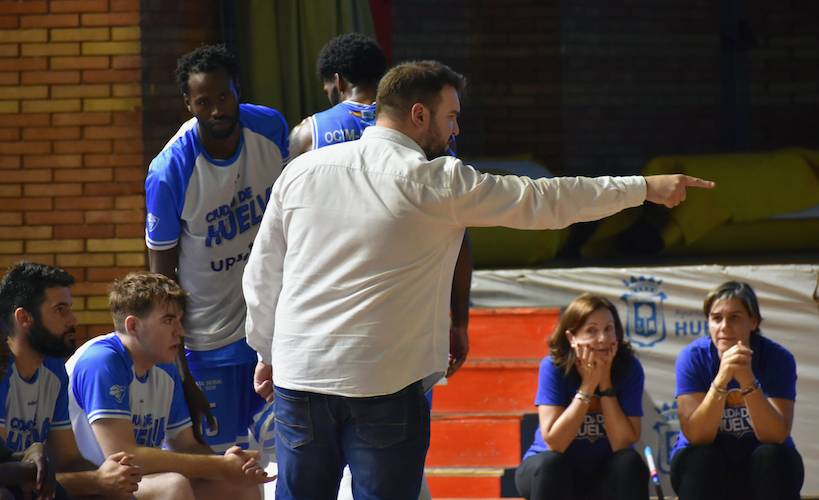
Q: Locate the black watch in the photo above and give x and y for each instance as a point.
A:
(608, 393)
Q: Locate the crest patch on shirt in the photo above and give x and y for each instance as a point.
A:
(118, 392)
(151, 222)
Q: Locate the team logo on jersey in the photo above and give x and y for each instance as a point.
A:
(118, 392)
(151, 222)
(645, 319)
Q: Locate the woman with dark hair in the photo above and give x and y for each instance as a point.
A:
(589, 402)
(735, 397)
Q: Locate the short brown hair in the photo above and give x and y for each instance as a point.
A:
(572, 319)
(138, 293)
(740, 291)
(412, 82)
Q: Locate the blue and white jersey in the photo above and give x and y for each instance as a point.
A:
(30, 408)
(104, 385)
(342, 123)
(211, 210)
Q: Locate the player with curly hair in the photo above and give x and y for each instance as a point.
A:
(205, 193)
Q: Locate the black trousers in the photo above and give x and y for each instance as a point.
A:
(704, 472)
(551, 475)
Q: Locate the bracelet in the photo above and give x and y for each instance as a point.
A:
(608, 393)
(756, 385)
(584, 397)
(721, 393)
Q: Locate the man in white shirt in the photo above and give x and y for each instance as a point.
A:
(126, 394)
(349, 279)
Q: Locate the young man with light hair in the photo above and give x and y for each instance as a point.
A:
(126, 395)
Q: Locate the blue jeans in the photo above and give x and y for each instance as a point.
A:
(384, 439)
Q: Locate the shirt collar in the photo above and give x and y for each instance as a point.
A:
(390, 134)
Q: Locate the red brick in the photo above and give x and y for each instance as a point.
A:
(11, 219)
(84, 231)
(130, 230)
(29, 204)
(83, 146)
(83, 175)
(114, 189)
(107, 274)
(111, 75)
(9, 78)
(116, 160)
(9, 50)
(11, 161)
(10, 190)
(35, 77)
(111, 19)
(25, 176)
(128, 146)
(27, 233)
(29, 119)
(52, 190)
(19, 148)
(26, 7)
(130, 202)
(63, 119)
(128, 118)
(51, 49)
(85, 203)
(124, 5)
(23, 64)
(130, 174)
(112, 132)
(77, 272)
(126, 62)
(50, 21)
(52, 161)
(83, 90)
(9, 134)
(85, 289)
(79, 62)
(118, 216)
(79, 6)
(54, 217)
(51, 133)
(9, 22)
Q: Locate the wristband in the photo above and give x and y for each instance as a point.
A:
(756, 385)
(608, 393)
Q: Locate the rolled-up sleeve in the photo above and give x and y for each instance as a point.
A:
(523, 203)
(262, 279)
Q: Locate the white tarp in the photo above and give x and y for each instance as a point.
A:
(661, 310)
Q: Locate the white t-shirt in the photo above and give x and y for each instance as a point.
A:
(103, 385)
(30, 408)
(211, 210)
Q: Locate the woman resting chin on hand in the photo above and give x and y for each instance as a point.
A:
(589, 402)
(735, 398)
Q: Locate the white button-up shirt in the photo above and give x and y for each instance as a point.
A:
(348, 283)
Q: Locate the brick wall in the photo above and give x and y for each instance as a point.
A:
(72, 153)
